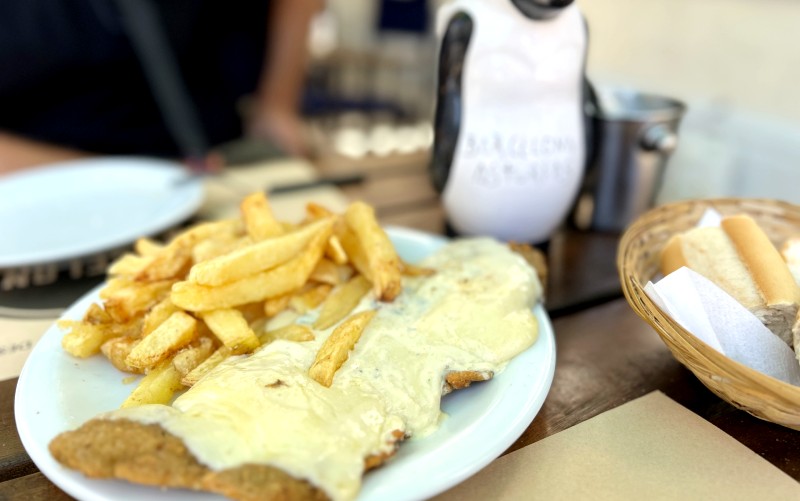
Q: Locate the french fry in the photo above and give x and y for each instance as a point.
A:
(176, 310)
(258, 217)
(193, 355)
(275, 282)
(259, 326)
(172, 261)
(157, 387)
(252, 311)
(336, 349)
(174, 333)
(157, 315)
(206, 366)
(307, 300)
(96, 315)
(326, 272)
(275, 305)
(412, 270)
(147, 247)
(232, 329)
(215, 247)
(127, 299)
(264, 255)
(292, 332)
(381, 257)
(317, 211)
(84, 340)
(342, 301)
(129, 264)
(208, 230)
(117, 349)
(355, 253)
(335, 251)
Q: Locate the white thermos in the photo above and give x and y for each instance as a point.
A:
(510, 127)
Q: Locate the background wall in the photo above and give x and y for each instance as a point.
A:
(743, 53)
(736, 63)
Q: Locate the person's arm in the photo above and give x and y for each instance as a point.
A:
(17, 153)
(276, 108)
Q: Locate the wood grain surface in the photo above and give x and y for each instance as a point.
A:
(606, 355)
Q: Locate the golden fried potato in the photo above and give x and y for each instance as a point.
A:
(147, 247)
(285, 278)
(335, 251)
(215, 247)
(252, 311)
(336, 349)
(157, 315)
(206, 366)
(129, 265)
(84, 340)
(230, 327)
(412, 270)
(342, 301)
(96, 315)
(174, 333)
(157, 387)
(382, 259)
(258, 257)
(193, 355)
(174, 259)
(258, 217)
(117, 349)
(325, 272)
(176, 310)
(316, 211)
(310, 298)
(128, 299)
(275, 305)
(355, 252)
(292, 332)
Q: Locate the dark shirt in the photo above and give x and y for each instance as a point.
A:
(70, 76)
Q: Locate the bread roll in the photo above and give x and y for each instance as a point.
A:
(739, 257)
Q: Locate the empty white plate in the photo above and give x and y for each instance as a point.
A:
(77, 208)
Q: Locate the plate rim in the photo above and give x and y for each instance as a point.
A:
(81, 487)
(192, 189)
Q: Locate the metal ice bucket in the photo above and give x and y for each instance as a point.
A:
(634, 136)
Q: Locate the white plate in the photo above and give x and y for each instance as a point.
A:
(77, 208)
(57, 392)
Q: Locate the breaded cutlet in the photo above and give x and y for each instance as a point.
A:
(147, 454)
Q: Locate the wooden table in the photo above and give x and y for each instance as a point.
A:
(606, 355)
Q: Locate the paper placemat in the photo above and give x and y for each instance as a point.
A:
(651, 448)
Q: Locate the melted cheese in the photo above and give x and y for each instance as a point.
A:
(473, 314)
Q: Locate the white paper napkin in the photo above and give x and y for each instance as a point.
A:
(712, 315)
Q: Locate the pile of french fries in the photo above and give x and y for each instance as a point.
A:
(173, 311)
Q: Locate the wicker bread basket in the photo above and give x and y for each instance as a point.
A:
(638, 262)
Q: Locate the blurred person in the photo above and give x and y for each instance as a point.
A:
(72, 83)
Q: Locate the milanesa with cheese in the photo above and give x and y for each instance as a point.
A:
(259, 427)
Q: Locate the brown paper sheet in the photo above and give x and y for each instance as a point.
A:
(651, 448)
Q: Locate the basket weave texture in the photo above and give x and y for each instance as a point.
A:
(638, 262)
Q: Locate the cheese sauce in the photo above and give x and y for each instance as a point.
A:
(473, 314)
